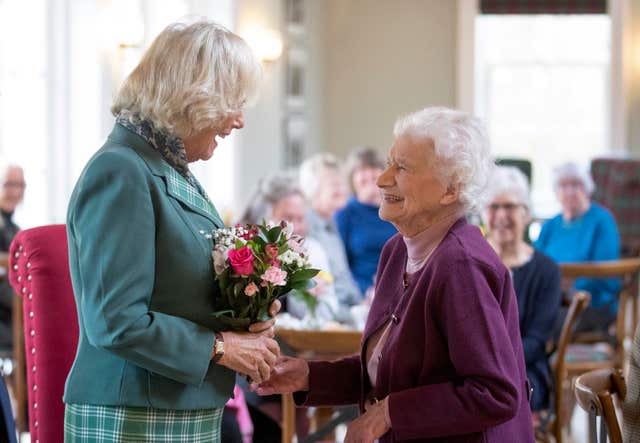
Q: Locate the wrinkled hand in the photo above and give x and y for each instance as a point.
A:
(288, 375)
(266, 328)
(369, 426)
(249, 354)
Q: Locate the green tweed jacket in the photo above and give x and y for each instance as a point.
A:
(143, 282)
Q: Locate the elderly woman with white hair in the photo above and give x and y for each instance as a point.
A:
(151, 363)
(441, 356)
(536, 278)
(583, 231)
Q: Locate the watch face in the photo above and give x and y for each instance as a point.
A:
(219, 347)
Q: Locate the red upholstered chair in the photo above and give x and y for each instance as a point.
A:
(39, 272)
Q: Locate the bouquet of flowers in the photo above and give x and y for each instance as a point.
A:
(253, 266)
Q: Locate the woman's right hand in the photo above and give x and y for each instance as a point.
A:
(288, 375)
(249, 354)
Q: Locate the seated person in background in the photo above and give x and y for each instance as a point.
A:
(362, 230)
(12, 186)
(277, 197)
(536, 278)
(584, 231)
(325, 188)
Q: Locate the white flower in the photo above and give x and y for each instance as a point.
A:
(290, 257)
(220, 256)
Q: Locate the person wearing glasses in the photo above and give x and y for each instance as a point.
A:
(584, 231)
(11, 195)
(536, 278)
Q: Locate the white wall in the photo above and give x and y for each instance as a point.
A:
(259, 144)
(383, 59)
(632, 60)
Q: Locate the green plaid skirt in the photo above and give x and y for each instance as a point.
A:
(102, 424)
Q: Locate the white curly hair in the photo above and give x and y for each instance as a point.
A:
(461, 145)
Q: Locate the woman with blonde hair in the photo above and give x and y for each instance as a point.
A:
(140, 263)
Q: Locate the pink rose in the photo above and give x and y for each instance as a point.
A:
(250, 289)
(241, 260)
(275, 276)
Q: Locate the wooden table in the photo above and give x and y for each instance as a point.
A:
(328, 344)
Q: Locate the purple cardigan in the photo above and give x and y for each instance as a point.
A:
(453, 365)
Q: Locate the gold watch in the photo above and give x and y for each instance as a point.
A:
(218, 348)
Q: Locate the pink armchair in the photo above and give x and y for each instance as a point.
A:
(39, 272)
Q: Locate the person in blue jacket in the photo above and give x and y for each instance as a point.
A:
(362, 230)
(584, 231)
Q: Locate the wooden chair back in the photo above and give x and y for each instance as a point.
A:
(594, 392)
(579, 302)
(627, 269)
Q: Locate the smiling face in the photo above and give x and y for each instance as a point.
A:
(413, 195)
(200, 146)
(506, 218)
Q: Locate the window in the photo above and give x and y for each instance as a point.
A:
(543, 85)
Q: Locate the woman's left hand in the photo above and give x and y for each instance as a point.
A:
(369, 426)
(267, 327)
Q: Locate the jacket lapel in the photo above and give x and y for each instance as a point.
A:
(180, 189)
(177, 186)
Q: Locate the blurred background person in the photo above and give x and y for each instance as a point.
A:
(536, 278)
(11, 195)
(278, 197)
(583, 231)
(362, 230)
(325, 187)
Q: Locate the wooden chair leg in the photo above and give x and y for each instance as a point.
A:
(20, 370)
(288, 418)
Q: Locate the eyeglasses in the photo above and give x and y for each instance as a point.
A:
(509, 207)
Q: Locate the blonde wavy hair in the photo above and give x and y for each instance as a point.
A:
(191, 78)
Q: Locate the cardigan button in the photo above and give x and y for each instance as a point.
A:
(395, 319)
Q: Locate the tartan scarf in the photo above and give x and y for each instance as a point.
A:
(168, 145)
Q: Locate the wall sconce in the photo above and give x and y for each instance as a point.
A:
(122, 24)
(266, 43)
(123, 31)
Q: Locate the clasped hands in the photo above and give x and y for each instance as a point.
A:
(292, 375)
(253, 353)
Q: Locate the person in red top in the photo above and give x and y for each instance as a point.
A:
(441, 357)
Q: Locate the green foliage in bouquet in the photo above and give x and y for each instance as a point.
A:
(254, 265)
